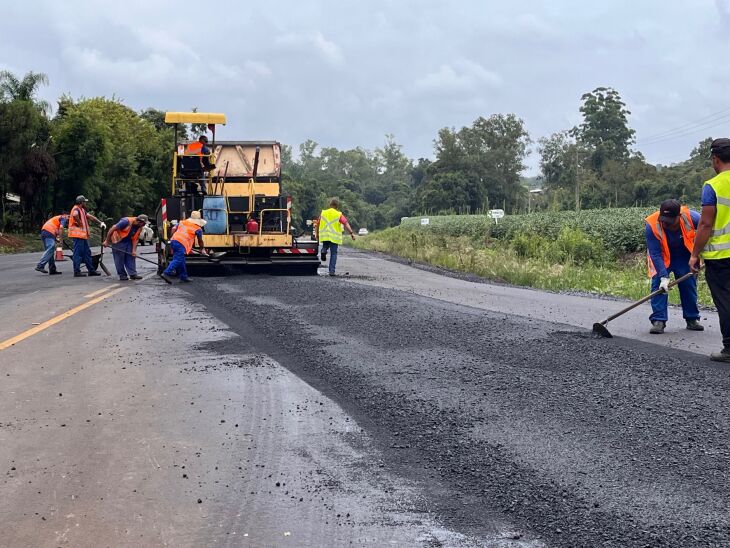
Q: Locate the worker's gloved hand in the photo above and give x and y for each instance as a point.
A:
(105, 243)
(352, 235)
(103, 226)
(664, 285)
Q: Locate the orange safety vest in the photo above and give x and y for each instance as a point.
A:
(80, 228)
(688, 236)
(53, 225)
(195, 148)
(125, 231)
(185, 234)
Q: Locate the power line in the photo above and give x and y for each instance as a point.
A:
(724, 120)
(688, 125)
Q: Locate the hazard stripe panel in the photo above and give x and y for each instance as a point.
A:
(295, 250)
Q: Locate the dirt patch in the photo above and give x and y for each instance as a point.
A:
(11, 242)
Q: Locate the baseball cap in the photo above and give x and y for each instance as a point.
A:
(144, 218)
(669, 210)
(719, 144)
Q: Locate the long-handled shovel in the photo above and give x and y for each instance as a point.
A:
(600, 329)
(137, 256)
(101, 256)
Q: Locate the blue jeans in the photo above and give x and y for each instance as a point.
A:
(177, 265)
(125, 264)
(49, 255)
(332, 247)
(687, 295)
(82, 254)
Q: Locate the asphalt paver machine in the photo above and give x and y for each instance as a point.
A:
(237, 188)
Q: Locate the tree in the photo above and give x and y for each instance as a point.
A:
(14, 89)
(25, 165)
(489, 158)
(605, 129)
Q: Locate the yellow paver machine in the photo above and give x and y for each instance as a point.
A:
(237, 187)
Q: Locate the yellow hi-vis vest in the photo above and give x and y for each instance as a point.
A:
(718, 246)
(330, 227)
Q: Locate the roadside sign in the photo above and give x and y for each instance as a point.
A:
(496, 214)
(425, 221)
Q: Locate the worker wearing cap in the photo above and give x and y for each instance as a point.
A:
(329, 232)
(182, 243)
(670, 236)
(199, 148)
(51, 232)
(78, 231)
(123, 238)
(712, 242)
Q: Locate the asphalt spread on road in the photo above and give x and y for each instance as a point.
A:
(578, 441)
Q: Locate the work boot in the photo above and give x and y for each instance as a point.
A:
(323, 257)
(79, 275)
(125, 279)
(94, 274)
(55, 273)
(657, 327)
(135, 277)
(41, 269)
(695, 325)
(164, 277)
(722, 356)
(333, 274)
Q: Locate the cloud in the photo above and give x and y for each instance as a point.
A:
(314, 42)
(462, 77)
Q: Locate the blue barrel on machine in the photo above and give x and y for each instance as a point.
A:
(216, 215)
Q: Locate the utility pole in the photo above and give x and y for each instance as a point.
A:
(577, 181)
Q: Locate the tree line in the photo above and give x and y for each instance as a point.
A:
(120, 160)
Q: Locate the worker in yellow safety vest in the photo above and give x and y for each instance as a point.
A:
(329, 232)
(712, 242)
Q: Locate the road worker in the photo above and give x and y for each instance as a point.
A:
(78, 231)
(712, 242)
(200, 148)
(51, 234)
(329, 232)
(670, 236)
(123, 238)
(182, 243)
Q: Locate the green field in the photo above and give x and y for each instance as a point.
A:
(595, 251)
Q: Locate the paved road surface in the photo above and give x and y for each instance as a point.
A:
(391, 407)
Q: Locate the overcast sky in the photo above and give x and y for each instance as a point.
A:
(346, 73)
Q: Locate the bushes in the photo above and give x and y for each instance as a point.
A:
(572, 245)
(618, 230)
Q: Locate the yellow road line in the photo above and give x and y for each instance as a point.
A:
(45, 325)
(95, 293)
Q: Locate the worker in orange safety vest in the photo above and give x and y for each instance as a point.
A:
(199, 148)
(182, 242)
(51, 233)
(123, 238)
(78, 231)
(670, 236)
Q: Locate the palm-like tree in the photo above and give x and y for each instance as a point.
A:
(24, 89)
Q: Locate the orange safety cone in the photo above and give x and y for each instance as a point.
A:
(59, 254)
